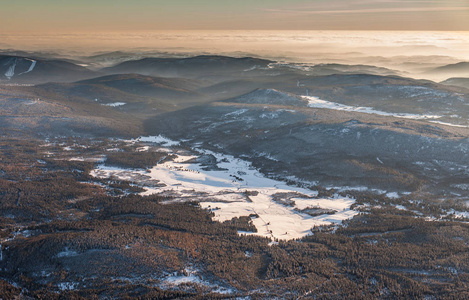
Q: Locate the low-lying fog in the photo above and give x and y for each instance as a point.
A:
(414, 54)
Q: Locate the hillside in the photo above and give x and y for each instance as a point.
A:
(17, 69)
(327, 145)
(191, 67)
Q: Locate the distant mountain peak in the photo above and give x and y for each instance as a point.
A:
(457, 81)
(194, 67)
(460, 68)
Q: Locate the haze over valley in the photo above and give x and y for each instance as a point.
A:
(418, 54)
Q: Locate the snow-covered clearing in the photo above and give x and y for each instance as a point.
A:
(158, 139)
(318, 103)
(67, 253)
(191, 276)
(99, 158)
(235, 189)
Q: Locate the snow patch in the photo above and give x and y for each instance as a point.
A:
(114, 104)
(67, 253)
(252, 68)
(98, 159)
(461, 186)
(236, 112)
(450, 124)
(271, 115)
(67, 286)
(158, 139)
(459, 214)
(142, 149)
(191, 275)
(318, 103)
(11, 70)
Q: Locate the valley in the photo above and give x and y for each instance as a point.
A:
(216, 177)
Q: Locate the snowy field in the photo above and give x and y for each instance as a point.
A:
(233, 189)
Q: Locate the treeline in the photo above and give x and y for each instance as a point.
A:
(62, 230)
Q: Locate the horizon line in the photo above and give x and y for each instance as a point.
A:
(219, 30)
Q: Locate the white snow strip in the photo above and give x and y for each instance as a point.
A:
(318, 103)
(142, 149)
(99, 158)
(380, 161)
(227, 189)
(449, 124)
(158, 139)
(11, 70)
(236, 112)
(67, 286)
(251, 68)
(31, 67)
(67, 253)
(115, 104)
(192, 276)
(459, 214)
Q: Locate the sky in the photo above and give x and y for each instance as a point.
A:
(136, 15)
